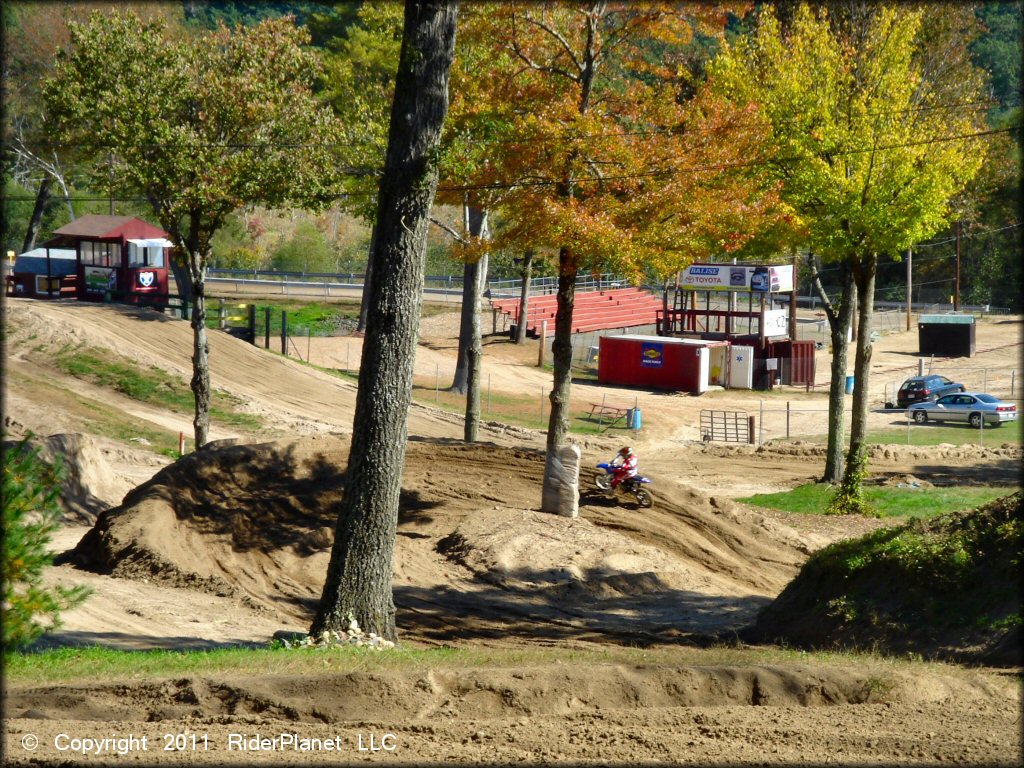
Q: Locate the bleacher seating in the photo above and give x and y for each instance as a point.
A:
(592, 310)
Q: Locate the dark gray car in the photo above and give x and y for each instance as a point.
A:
(931, 387)
(967, 407)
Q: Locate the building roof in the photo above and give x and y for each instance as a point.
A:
(62, 262)
(55, 253)
(99, 226)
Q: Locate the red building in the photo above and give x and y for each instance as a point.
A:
(43, 273)
(663, 362)
(119, 258)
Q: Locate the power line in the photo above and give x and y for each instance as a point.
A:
(966, 237)
(719, 166)
(660, 173)
(567, 135)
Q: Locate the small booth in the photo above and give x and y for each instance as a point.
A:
(661, 362)
(707, 303)
(43, 273)
(946, 335)
(118, 258)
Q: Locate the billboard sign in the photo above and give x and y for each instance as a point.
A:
(100, 279)
(652, 355)
(737, 277)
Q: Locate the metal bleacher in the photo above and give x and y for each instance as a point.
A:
(592, 310)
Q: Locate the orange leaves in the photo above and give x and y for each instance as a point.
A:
(565, 109)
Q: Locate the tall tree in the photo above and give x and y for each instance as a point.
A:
(609, 163)
(33, 33)
(358, 583)
(867, 149)
(359, 81)
(202, 127)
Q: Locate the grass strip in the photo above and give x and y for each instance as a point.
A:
(63, 665)
(813, 498)
(152, 386)
(936, 434)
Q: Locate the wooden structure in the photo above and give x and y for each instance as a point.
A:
(946, 335)
(120, 258)
(43, 273)
(659, 362)
(739, 304)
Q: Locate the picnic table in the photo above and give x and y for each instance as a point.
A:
(602, 411)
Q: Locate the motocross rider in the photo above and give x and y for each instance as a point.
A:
(625, 465)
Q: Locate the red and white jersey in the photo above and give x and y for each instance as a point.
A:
(628, 467)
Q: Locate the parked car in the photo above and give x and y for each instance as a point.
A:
(919, 388)
(968, 407)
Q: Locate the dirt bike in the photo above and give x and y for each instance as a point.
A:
(633, 485)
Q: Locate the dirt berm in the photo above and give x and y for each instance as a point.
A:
(945, 588)
(255, 522)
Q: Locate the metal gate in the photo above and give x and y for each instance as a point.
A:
(726, 426)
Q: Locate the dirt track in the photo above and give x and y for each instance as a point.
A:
(234, 549)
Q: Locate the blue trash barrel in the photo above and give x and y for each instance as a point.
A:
(633, 418)
(849, 385)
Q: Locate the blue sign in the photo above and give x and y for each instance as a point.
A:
(652, 354)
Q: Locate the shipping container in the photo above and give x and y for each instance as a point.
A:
(946, 335)
(663, 362)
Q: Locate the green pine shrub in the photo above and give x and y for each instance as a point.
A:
(31, 513)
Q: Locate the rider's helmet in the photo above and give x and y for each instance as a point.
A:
(625, 450)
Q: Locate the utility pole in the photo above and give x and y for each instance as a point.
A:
(110, 170)
(956, 284)
(910, 268)
(792, 301)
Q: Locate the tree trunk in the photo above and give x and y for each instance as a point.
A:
(838, 323)
(854, 335)
(561, 355)
(42, 198)
(364, 304)
(474, 357)
(460, 381)
(200, 362)
(864, 278)
(182, 279)
(472, 287)
(477, 228)
(359, 575)
(524, 296)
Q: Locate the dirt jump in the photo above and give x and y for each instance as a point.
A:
(228, 546)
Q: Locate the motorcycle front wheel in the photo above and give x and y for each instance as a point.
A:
(603, 480)
(643, 497)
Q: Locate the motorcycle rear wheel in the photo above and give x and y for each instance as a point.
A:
(643, 497)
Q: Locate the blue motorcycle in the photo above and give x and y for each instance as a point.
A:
(633, 485)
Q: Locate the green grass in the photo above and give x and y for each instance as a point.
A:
(951, 580)
(936, 434)
(813, 498)
(100, 419)
(151, 386)
(320, 318)
(69, 664)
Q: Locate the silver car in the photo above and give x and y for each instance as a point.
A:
(968, 407)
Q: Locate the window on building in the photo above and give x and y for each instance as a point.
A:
(148, 256)
(101, 254)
